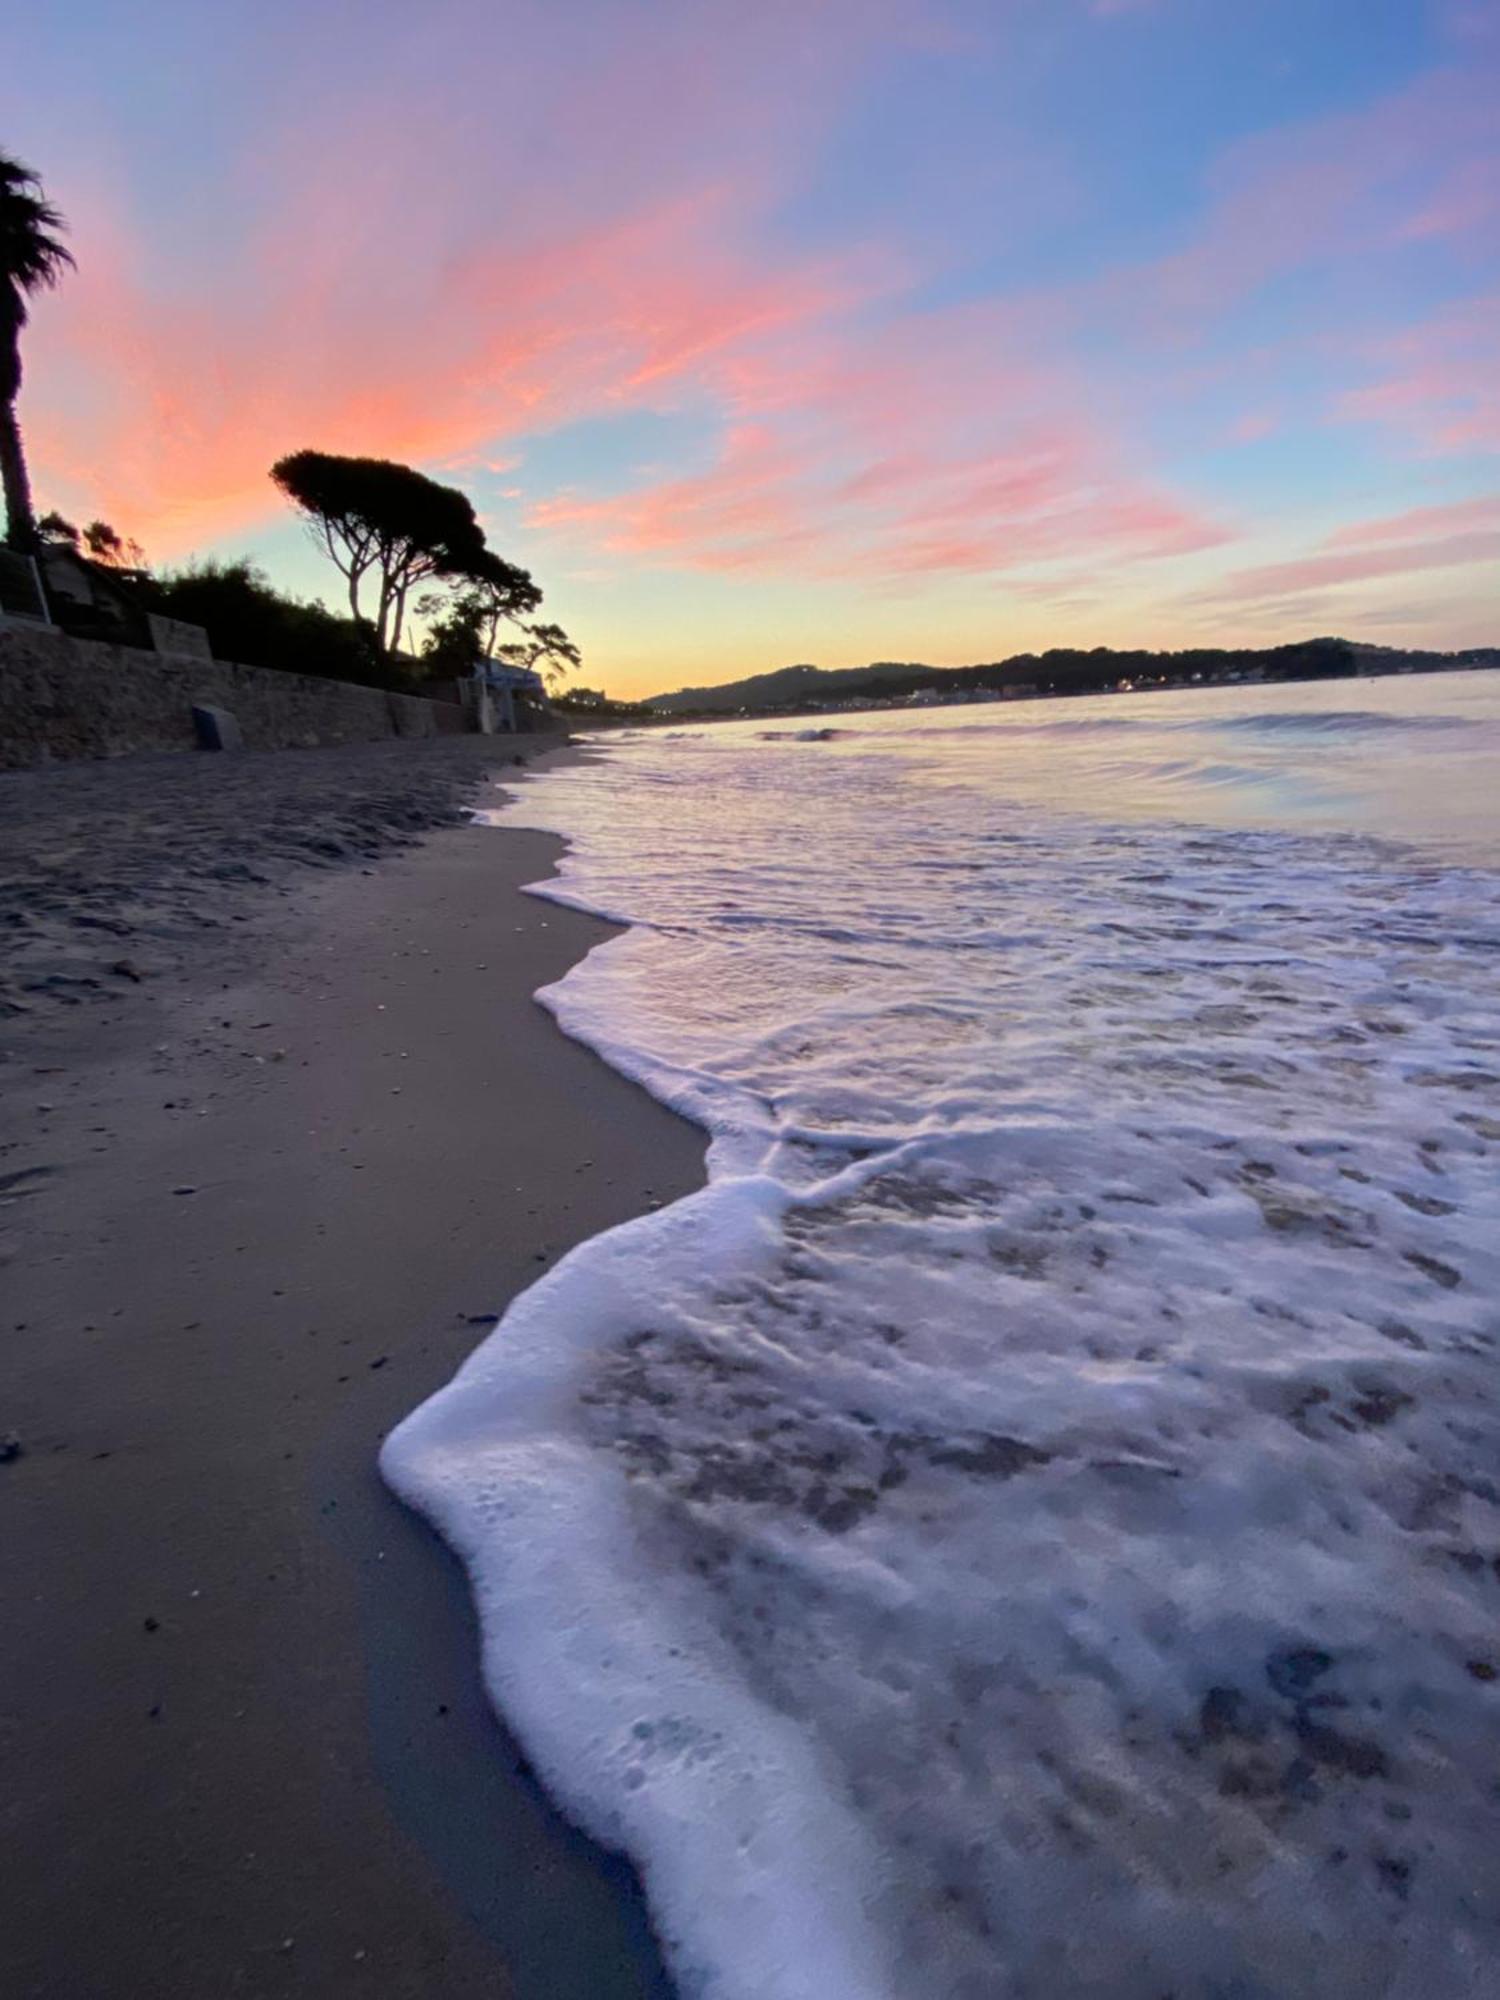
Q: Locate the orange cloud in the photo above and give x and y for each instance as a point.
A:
(425, 262)
(166, 418)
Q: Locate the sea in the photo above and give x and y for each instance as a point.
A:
(1029, 1527)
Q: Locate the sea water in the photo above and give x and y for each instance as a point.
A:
(1030, 1525)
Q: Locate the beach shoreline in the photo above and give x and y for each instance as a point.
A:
(260, 1202)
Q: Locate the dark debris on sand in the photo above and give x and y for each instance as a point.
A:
(114, 871)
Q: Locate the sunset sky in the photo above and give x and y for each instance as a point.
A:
(793, 330)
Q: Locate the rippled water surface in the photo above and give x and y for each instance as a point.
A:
(1411, 757)
(1030, 1526)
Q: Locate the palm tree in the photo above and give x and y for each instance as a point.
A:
(32, 257)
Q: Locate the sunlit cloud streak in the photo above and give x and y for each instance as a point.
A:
(1427, 538)
(939, 447)
(1437, 384)
(1328, 193)
(1419, 524)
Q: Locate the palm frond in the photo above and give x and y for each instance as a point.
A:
(33, 255)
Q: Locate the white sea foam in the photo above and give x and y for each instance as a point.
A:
(1030, 1526)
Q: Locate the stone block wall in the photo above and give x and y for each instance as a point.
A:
(62, 697)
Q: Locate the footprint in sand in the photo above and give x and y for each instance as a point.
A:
(24, 1181)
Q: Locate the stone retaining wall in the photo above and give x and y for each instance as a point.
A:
(62, 697)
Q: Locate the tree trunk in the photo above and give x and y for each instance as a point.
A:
(382, 615)
(20, 518)
(20, 521)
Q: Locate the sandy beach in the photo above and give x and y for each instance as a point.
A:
(283, 1131)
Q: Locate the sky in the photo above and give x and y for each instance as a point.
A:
(826, 330)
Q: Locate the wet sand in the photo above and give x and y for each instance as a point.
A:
(256, 1201)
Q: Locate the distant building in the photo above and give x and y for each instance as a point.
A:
(90, 598)
(21, 594)
(510, 698)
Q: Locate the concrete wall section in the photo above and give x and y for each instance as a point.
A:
(175, 635)
(62, 697)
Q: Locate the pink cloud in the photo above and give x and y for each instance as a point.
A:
(1340, 578)
(434, 284)
(625, 259)
(1419, 524)
(1253, 428)
(739, 514)
(764, 507)
(1438, 386)
(168, 417)
(1462, 205)
(359, 310)
(1330, 190)
(1355, 567)
(937, 444)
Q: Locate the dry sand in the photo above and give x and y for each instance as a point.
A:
(259, 1194)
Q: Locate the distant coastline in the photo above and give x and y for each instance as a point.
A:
(810, 690)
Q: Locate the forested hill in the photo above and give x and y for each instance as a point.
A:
(794, 684)
(1061, 671)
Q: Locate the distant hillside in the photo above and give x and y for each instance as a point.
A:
(1059, 671)
(788, 684)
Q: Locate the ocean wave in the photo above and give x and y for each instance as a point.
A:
(1143, 719)
(1031, 718)
(1340, 722)
(1200, 771)
(818, 735)
(1050, 1467)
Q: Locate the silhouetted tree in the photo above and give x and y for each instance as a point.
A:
(387, 522)
(59, 531)
(32, 258)
(106, 545)
(546, 650)
(455, 642)
(503, 591)
(99, 541)
(333, 497)
(466, 626)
